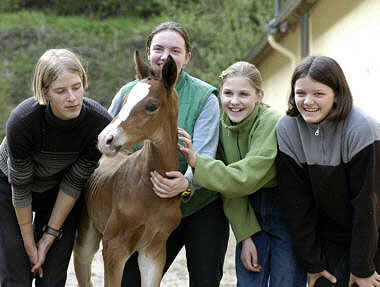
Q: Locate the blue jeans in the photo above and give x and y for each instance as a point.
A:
(273, 243)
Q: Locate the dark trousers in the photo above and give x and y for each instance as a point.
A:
(14, 262)
(205, 237)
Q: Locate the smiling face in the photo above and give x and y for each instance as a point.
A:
(239, 98)
(65, 96)
(166, 43)
(313, 99)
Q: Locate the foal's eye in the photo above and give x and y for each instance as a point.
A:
(151, 107)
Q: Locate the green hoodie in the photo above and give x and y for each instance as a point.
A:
(247, 151)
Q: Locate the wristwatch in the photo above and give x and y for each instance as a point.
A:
(57, 233)
(187, 193)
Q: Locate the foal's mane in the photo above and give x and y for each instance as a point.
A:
(101, 176)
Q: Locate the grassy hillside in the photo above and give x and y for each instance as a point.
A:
(221, 33)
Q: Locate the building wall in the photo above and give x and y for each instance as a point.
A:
(276, 71)
(350, 34)
(346, 30)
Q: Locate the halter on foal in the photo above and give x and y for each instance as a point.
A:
(121, 207)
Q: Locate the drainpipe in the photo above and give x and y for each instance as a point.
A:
(272, 30)
(277, 8)
(304, 24)
(282, 50)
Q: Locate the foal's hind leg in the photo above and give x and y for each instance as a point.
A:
(151, 264)
(86, 245)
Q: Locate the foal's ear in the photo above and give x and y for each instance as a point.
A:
(142, 69)
(169, 72)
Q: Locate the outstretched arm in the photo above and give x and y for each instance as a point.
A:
(254, 170)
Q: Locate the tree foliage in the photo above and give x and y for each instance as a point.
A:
(221, 32)
(93, 8)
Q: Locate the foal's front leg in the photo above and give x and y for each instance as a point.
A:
(114, 261)
(116, 251)
(151, 261)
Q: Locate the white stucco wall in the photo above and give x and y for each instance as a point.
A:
(276, 71)
(350, 33)
(346, 30)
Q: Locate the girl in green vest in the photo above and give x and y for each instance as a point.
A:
(246, 177)
(204, 228)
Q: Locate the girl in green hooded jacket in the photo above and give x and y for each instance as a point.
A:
(245, 175)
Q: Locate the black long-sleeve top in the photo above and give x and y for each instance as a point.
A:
(41, 151)
(329, 183)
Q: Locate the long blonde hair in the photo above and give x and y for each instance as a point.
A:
(50, 66)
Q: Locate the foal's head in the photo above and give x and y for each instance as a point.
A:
(152, 103)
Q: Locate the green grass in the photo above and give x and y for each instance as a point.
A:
(105, 48)
(74, 24)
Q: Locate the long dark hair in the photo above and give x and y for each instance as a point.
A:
(328, 72)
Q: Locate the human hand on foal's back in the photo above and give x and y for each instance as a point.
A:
(187, 149)
(170, 186)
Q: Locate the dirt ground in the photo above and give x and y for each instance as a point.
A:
(175, 277)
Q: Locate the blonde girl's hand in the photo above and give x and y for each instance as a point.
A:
(33, 258)
(371, 281)
(249, 256)
(313, 277)
(187, 148)
(31, 249)
(43, 246)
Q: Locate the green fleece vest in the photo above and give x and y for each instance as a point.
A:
(193, 94)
